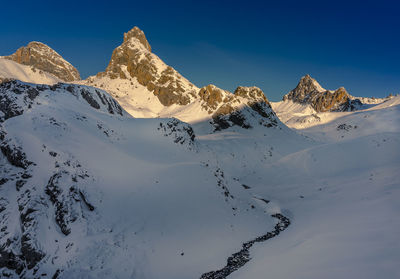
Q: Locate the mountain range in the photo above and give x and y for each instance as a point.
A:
(136, 172)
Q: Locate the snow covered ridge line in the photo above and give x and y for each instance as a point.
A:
(146, 87)
(49, 191)
(21, 252)
(240, 258)
(17, 96)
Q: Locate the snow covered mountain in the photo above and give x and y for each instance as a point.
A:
(88, 191)
(44, 58)
(309, 104)
(146, 87)
(309, 91)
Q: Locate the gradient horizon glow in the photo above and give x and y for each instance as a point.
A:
(269, 44)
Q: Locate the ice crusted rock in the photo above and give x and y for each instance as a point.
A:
(42, 57)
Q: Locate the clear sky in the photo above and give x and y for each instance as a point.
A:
(269, 44)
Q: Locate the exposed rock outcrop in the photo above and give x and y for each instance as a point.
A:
(44, 58)
(134, 68)
(133, 59)
(246, 107)
(179, 131)
(309, 91)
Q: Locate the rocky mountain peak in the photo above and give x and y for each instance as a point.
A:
(135, 32)
(43, 57)
(309, 91)
(133, 60)
(133, 66)
(308, 85)
(251, 93)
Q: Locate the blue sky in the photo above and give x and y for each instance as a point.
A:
(269, 44)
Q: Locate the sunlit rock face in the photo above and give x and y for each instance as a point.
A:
(135, 76)
(245, 108)
(134, 59)
(309, 91)
(44, 58)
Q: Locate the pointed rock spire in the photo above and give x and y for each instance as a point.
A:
(309, 91)
(135, 32)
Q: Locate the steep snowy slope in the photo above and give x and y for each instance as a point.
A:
(12, 70)
(89, 192)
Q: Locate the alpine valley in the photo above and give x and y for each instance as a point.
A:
(136, 172)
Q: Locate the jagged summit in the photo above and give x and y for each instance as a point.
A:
(309, 82)
(135, 32)
(306, 87)
(147, 87)
(309, 91)
(252, 93)
(133, 60)
(43, 57)
(246, 108)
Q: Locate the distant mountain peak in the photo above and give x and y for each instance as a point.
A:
(309, 84)
(43, 57)
(137, 33)
(309, 91)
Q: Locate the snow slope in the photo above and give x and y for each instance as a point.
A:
(91, 192)
(12, 70)
(301, 116)
(139, 102)
(342, 198)
(88, 191)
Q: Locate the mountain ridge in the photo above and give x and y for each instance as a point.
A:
(88, 191)
(42, 57)
(133, 66)
(309, 91)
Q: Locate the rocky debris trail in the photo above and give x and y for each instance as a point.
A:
(240, 258)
